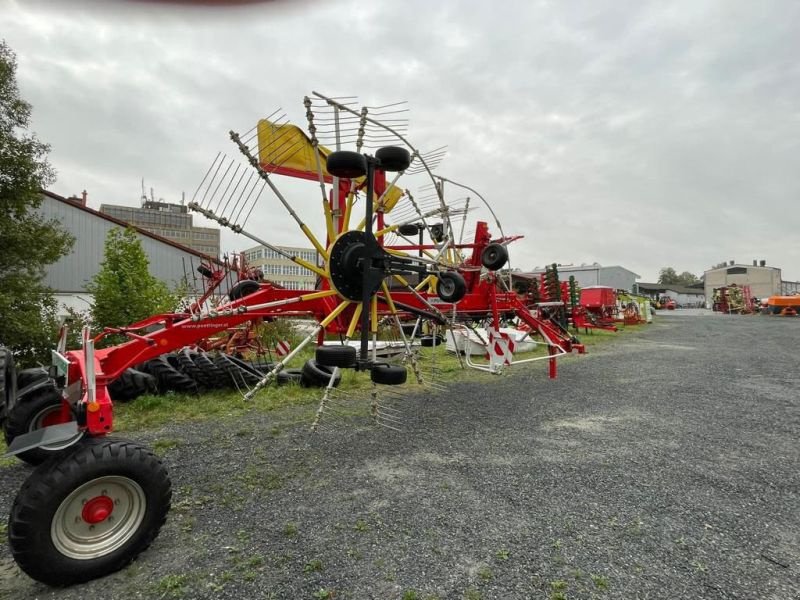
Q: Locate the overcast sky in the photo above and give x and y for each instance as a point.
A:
(643, 134)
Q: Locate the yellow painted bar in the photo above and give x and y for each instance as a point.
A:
(388, 297)
(354, 321)
(304, 263)
(374, 315)
(425, 282)
(317, 295)
(348, 209)
(326, 207)
(336, 312)
(312, 238)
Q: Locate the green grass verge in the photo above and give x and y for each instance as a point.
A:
(148, 412)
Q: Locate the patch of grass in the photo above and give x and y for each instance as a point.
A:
(161, 446)
(172, 586)
(699, 567)
(410, 595)
(502, 554)
(485, 573)
(243, 536)
(313, 566)
(559, 585)
(255, 561)
(361, 525)
(290, 529)
(323, 594)
(472, 593)
(600, 582)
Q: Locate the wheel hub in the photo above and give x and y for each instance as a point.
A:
(97, 509)
(349, 255)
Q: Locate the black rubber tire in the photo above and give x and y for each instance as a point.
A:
(437, 232)
(31, 412)
(450, 286)
(132, 384)
(188, 367)
(209, 374)
(336, 356)
(393, 159)
(290, 376)
(8, 380)
(521, 288)
(347, 164)
(388, 374)
(166, 370)
(242, 371)
(316, 375)
(243, 288)
(428, 341)
(408, 229)
(37, 503)
(494, 256)
(26, 377)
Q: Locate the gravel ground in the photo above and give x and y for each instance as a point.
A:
(665, 465)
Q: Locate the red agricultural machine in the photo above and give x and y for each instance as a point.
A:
(97, 502)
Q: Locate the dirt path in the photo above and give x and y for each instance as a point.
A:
(666, 466)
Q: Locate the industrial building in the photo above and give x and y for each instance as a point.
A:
(684, 296)
(279, 269)
(68, 277)
(615, 276)
(171, 221)
(764, 281)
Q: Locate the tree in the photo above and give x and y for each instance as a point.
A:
(124, 290)
(28, 242)
(668, 276)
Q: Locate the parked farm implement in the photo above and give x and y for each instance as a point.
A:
(98, 502)
(733, 299)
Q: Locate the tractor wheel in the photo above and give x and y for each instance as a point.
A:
(8, 382)
(243, 288)
(494, 256)
(290, 376)
(450, 286)
(26, 377)
(166, 370)
(408, 229)
(212, 376)
(388, 374)
(317, 375)
(132, 384)
(40, 408)
(189, 368)
(90, 512)
(428, 341)
(393, 158)
(336, 356)
(346, 164)
(242, 371)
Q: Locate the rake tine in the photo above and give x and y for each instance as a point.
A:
(216, 172)
(199, 187)
(221, 181)
(233, 193)
(253, 205)
(241, 194)
(247, 201)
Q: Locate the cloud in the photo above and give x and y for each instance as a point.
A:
(636, 133)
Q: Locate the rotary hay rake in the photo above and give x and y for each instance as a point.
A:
(99, 502)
